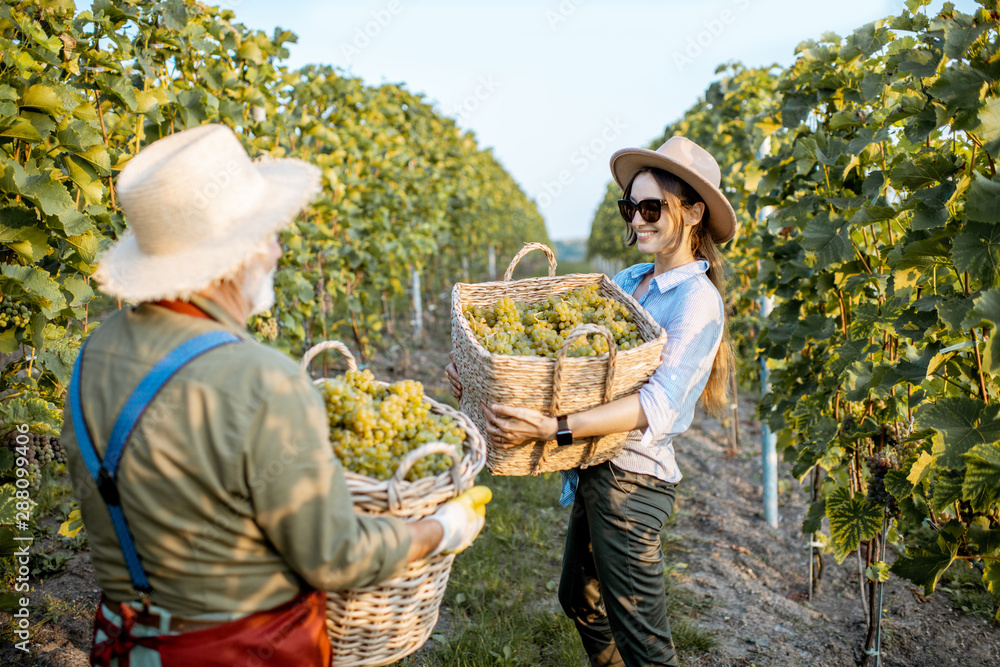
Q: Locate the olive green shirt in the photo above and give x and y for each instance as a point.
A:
(228, 483)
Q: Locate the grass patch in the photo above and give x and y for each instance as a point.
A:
(501, 605)
(967, 592)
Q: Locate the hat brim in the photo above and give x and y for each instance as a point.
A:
(126, 272)
(721, 218)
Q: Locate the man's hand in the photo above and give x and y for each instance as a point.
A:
(452, 373)
(461, 519)
(509, 427)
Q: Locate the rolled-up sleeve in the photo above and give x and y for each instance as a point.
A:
(694, 331)
(301, 500)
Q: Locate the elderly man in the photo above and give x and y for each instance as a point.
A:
(215, 510)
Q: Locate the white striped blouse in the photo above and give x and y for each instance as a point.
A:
(689, 308)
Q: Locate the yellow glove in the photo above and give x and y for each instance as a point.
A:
(461, 519)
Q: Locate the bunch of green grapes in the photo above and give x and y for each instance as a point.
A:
(539, 329)
(267, 326)
(13, 314)
(39, 450)
(372, 427)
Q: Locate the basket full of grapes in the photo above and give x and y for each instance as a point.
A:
(558, 344)
(403, 455)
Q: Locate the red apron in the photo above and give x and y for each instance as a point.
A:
(292, 635)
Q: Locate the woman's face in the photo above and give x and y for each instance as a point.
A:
(653, 238)
(669, 237)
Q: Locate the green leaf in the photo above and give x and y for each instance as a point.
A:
(960, 35)
(947, 489)
(953, 312)
(929, 218)
(982, 539)
(8, 341)
(814, 517)
(39, 287)
(45, 98)
(982, 477)
(991, 577)
(18, 231)
(829, 239)
(878, 571)
(920, 469)
(924, 170)
(85, 178)
(868, 214)
(119, 88)
(80, 289)
(986, 312)
(857, 380)
(921, 63)
(976, 250)
(924, 566)
(50, 196)
(989, 126)
(98, 158)
(982, 202)
(852, 521)
(175, 15)
(897, 484)
(193, 107)
(21, 129)
(962, 424)
(870, 37)
(958, 83)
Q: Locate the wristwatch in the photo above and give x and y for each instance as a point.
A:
(564, 436)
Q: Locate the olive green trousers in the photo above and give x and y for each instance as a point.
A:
(612, 575)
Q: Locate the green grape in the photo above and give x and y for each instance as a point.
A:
(373, 427)
(12, 314)
(540, 329)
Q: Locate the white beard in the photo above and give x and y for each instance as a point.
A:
(261, 295)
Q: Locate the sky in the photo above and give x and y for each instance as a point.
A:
(554, 87)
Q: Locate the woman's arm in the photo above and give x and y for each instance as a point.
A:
(508, 426)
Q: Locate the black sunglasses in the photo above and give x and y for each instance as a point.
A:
(649, 209)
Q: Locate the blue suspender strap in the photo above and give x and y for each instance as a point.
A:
(105, 473)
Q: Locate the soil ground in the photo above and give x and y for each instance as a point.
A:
(752, 578)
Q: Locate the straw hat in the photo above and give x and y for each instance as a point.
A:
(692, 164)
(197, 208)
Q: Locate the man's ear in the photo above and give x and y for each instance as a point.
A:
(694, 213)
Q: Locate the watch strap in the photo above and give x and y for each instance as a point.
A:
(564, 436)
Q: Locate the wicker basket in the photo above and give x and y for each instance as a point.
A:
(380, 624)
(554, 386)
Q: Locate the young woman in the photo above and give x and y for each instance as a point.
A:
(612, 577)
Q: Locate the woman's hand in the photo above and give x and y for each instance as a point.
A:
(509, 427)
(452, 373)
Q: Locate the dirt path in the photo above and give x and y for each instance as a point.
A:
(753, 577)
(756, 577)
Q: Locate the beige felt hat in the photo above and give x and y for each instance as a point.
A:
(693, 165)
(197, 208)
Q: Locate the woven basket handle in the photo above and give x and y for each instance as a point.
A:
(583, 330)
(528, 247)
(316, 349)
(423, 451)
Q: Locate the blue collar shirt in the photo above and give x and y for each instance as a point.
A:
(689, 308)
